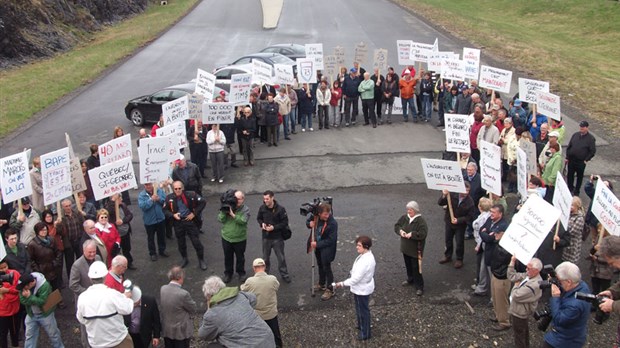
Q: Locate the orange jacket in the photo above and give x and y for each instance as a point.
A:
(407, 88)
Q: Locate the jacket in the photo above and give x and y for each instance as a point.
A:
(367, 89)
(553, 166)
(378, 95)
(150, 324)
(235, 230)
(336, 95)
(570, 318)
(415, 244)
(499, 262)
(46, 258)
(581, 147)
(246, 124)
(213, 145)
(38, 296)
(78, 278)
(463, 104)
(195, 204)
(362, 276)
(449, 102)
(463, 212)
(507, 135)
(265, 287)
(490, 134)
(350, 86)
(270, 111)
(407, 88)
(18, 260)
(26, 228)
(524, 295)
(37, 189)
(304, 104)
(426, 87)
(275, 216)
(284, 104)
(572, 252)
(125, 215)
(9, 304)
(487, 234)
(152, 211)
(193, 177)
(389, 90)
(326, 237)
(323, 97)
(176, 308)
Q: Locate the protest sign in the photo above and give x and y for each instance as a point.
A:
(112, 178)
(306, 70)
(339, 53)
(154, 154)
(115, 149)
(403, 48)
(452, 69)
(420, 54)
(495, 79)
(177, 131)
(56, 176)
(457, 133)
(562, 199)
(528, 88)
(194, 106)
(331, 66)
(380, 58)
(529, 228)
(443, 175)
(548, 105)
(15, 177)
(532, 161)
(397, 107)
(77, 177)
(176, 110)
(283, 74)
(491, 167)
(606, 208)
(261, 72)
(205, 84)
(315, 51)
(361, 53)
(218, 113)
(435, 58)
(522, 173)
(240, 86)
(471, 61)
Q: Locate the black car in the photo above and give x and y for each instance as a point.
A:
(147, 108)
(290, 50)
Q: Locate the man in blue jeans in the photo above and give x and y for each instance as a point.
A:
(426, 91)
(407, 93)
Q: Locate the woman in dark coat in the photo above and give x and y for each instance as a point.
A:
(324, 244)
(45, 257)
(304, 98)
(412, 230)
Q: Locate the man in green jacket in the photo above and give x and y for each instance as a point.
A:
(33, 293)
(367, 91)
(234, 237)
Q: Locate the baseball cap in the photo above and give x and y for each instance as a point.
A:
(23, 281)
(258, 262)
(25, 200)
(353, 70)
(554, 134)
(517, 102)
(97, 270)
(584, 124)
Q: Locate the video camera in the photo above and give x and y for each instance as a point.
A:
(6, 277)
(599, 316)
(228, 201)
(313, 207)
(549, 271)
(543, 317)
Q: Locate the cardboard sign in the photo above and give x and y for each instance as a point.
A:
(194, 106)
(78, 184)
(205, 84)
(522, 172)
(548, 105)
(443, 175)
(262, 73)
(532, 161)
(331, 66)
(529, 228)
(471, 61)
(155, 154)
(218, 113)
(283, 74)
(361, 53)
(495, 79)
(306, 70)
(528, 88)
(562, 199)
(380, 58)
(315, 51)
(403, 48)
(176, 110)
(606, 208)
(457, 133)
(115, 149)
(397, 107)
(435, 59)
(112, 178)
(177, 131)
(491, 167)
(420, 54)
(56, 176)
(452, 69)
(240, 87)
(339, 53)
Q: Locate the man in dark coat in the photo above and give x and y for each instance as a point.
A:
(189, 174)
(581, 149)
(351, 95)
(323, 242)
(143, 323)
(463, 209)
(273, 220)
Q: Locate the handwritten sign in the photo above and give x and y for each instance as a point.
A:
(115, 149)
(331, 66)
(218, 113)
(77, 177)
(548, 105)
(522, 172)
(403, 48)
(283, 74)
(443, 175)
(306, 70)
(495, 79)
(112, 178)
(176, 110)
(562, 199)
(606, 208)
(261, 72)
(471, 61)
(420, 54)
(56, 176)
(177, 131)
(205, 84)
(491, 167)
(361, 53)
(240, 86)
(528, 88)
(397, 107)
(529, 228)
(532, 161)
(15, 177)
(315, 51)
(339, 53)
(155, 154)
(194, 106)
(380, 57)
(453, 69)
(435, 59)
(457, 133)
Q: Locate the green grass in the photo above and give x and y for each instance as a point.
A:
(26, 90)
(573, 44)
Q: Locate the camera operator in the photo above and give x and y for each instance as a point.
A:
(524, 298)
(569, 314)
(234, 237)
(324, 245)
(610, 251)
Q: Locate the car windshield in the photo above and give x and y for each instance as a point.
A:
(280, 59)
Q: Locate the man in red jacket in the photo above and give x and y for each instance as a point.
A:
(9, 305)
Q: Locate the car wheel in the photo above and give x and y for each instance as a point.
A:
(137, 118)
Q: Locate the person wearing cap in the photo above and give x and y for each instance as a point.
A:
(367, 92)
(558, 126)
(463, 102)
(101, 309)
(273, 220)
(177, 308)
(351, 94)
(9, 306)
(581, 149)
(189, 174)
(23, 221)
(518, 114)
(33, 293)
(230, 318)
(406, 87)
(550, 172)
(412, 229)
(265, 287)
(143, 323)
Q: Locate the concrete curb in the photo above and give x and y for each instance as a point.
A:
(271, 12)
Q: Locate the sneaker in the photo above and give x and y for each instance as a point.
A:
(327, 295)
(303, 130)
(212, 179)
(220, 181)
(346, 124)
(311, 129)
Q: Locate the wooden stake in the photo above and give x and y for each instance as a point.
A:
(77, 202)
(58, 208)
(450, 207)
(117, 210)
(492, 98)
(557, 230)
(20, 208)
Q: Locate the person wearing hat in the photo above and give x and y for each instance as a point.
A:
(189, 174)
(265, 287)
(558, 126)
(545, 155)
(351, 94)
(101, 309)
(518, 114)
(143, 323)
(581, 149)
(33, 293)
(406, 87)
(23, 221)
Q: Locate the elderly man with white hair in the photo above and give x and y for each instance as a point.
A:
(524, 298)
(488, 132)
(412, 229)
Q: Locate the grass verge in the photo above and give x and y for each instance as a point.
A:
(26, 90)
(573, 44)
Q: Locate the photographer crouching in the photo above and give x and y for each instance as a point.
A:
(323, 242)
(610, 298)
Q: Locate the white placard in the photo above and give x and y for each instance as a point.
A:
(435, 58)
(240, 87)
(315, 51)
(420, 54)
(306, 70)
(361, 53)
(78, 184)
(218, 113)
(397, 107)
(283, 74)
(331, 66)
(56, 176)
(495, 79)
(471, 61)
(205, 84)
(532, 161)
(403, 48)
(379, 59)
(177, 131)
(457, 133)
(452, 69)
(606, 208)
(548, 105)
(443, 175)
(528, 88)
(262, 73)
(562, 199)
(112, 178)
(176, 110)
(155, 154)
(522, 173)
(115, 149)
(339, 53)
(491, 167)
(194, 106)
(529, 228)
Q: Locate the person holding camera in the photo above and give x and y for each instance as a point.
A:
(234, 236)
(569, 315)
(273, 220)
(524, 298)
(323, 242)
(609, 250)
